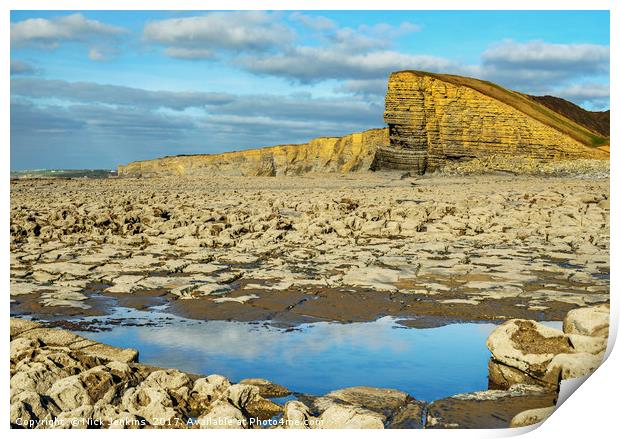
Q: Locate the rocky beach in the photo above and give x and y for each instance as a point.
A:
(303, 249)
(61, 380)
(293, 251)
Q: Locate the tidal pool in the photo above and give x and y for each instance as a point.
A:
(315, 358)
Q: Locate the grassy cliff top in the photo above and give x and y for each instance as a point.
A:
(521, 102)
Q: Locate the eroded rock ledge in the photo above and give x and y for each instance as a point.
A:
(61, 380)
(437, 119)
(350, 153)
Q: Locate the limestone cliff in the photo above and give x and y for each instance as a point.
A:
(434, 119)
(351, 153)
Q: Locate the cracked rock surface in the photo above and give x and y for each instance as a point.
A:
(301, 249)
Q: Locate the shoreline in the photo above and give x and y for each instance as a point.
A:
(108, 374)
(299, 250)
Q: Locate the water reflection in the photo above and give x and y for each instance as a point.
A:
(427, 363)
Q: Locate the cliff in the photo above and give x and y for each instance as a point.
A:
(351, 153)
(435, 119)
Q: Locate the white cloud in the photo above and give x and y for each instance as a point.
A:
(101, 53)
(539, 54)
(21, 68)
(233, 31)
(50, 32)
(593, 96)
(313, 22)
(344, 53)
(351, 110)
(261, 43)
(585, 91)
(311, 64)
(384, 30)
(114, 94)
(185, 53)
(539, 62)
(364, 87)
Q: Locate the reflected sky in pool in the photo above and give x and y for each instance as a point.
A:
(427, 363)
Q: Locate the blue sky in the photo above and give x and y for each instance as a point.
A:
(95, 89)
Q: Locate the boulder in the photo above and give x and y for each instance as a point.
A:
(35, 376)
(531, 417)
(125, 420)
(575, 365)
(297, 416)
(408, 417)
(394, 407)
(526, 347)
(114, 416)
(267, 389)
(206, 390)
(384, 401)
(344, 416)
(248, 398)
(28, 408)
(240, 395)
(501, 377)
(591, 321)
(21, 344)
(69, 393)
(153, 404)
(94, 385)
(223, 415)
(21, 325)
(585, 343)
(62, 338)
(80, 417)
(169, 379)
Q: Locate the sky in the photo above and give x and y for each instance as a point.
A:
(95, 89)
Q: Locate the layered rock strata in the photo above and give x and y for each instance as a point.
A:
(435, 119)
(351, 153)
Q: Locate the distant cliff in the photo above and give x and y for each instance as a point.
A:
(351, 153)
(435, 119)
(432, 120)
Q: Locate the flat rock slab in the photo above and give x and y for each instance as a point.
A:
(488, 409)
(60, 337)
(393, 408)
(365, 244)
(71, 268)
(371, 398)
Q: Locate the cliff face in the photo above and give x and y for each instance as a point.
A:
(435, 119)
(432, 119)
(351, 153)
